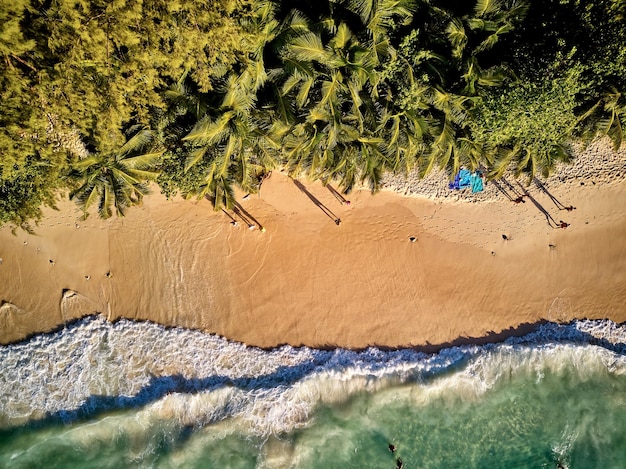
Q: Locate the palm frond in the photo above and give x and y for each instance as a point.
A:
(342, 37)
(457, 37)
(82, 165)
(104, 206)
(138, 141)
(195, 156)
(486, 7)
(143, 174)
(209, 132)
(290, 83)
(240, 96)
(145, 161)
(307, 47)
(502, 162)
(303, 93)
(302, 68)
(330, 89)
(363, 8)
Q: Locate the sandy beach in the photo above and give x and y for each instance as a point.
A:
(306, 280)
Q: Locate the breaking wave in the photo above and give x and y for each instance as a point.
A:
(194, 379)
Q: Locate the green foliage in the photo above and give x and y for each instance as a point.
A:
(100, 68)
(12, 41)
(112, 59)
(339, 89)
(25, 189)
(529, 124)
(174, 179)
(116, 180)
(31, 164)
(589, 36)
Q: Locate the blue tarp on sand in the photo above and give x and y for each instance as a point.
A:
(476, 182)
(465, 179)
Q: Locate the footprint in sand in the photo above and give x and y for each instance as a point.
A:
(73, 304)
(8, 309)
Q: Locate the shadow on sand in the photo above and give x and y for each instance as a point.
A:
(342, 200)
(321, 206)
(551, 221)
(246, 217)
(556, 201)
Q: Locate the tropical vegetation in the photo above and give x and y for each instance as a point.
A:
(101, 97)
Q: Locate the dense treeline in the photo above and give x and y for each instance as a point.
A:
(99, 97)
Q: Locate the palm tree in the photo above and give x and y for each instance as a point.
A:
(237, 144)
(406, 133)
(331, 78)
(117, 179)
(607, 117)
(490, 20)
(237, 141)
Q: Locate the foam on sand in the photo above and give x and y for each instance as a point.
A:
(190, 378)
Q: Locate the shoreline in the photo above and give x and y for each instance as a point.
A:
(307, 281)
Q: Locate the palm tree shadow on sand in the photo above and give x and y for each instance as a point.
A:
(329, 213)
(540, 185)
(551, 221)
(342, 200)
(242, 213)
(246, 217)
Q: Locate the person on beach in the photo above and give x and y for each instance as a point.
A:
(338, 221)
(562, 224)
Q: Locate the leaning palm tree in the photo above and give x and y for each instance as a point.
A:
(330, 80)
(236, 141)
(606, 117)
(237, 144)
(116, 181)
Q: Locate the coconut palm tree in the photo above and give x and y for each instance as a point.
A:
(607, 117)
(331, 77)
(237, 141)
(116, 181)
(471, 35)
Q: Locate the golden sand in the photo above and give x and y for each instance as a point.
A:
(307, 280)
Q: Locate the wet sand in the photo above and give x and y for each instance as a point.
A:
(308, 281)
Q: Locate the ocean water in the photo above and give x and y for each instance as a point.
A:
(129, 394)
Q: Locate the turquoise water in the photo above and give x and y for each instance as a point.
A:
(139, 395)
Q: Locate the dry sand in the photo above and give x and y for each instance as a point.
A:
(306, 280)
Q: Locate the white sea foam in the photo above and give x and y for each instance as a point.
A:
(188, 378)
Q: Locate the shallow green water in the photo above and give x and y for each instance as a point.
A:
(523, 405)
(522, 423)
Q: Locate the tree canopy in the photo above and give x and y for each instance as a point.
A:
(334, 89)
